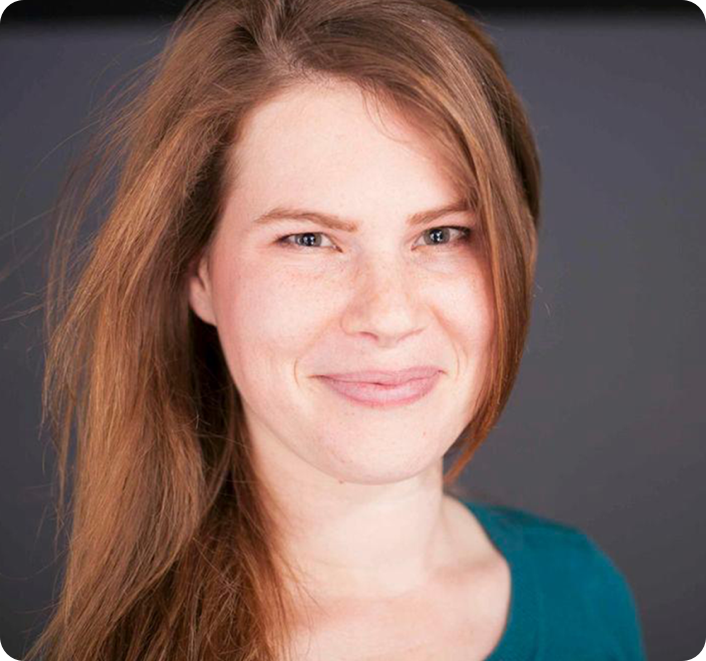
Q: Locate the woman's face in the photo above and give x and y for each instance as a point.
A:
(386, 295)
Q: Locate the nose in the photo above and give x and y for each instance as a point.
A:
(386, 303)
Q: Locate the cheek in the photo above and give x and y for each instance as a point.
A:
(465, 301)
(265, 313)
(471, 325)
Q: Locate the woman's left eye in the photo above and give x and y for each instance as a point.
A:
(437, 233)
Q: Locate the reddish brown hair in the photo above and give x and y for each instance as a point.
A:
(172, 553)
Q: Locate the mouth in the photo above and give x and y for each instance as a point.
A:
(386, 377)
(383, 395)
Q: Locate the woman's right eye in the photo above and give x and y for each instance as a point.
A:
(285, 240)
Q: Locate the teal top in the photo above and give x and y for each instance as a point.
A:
(568, 598)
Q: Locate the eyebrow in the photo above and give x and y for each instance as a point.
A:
(333, 221)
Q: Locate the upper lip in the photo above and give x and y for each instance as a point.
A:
(388, 377)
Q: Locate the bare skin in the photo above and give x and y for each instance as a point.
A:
(459, 616)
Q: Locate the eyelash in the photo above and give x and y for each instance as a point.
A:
(466, 235)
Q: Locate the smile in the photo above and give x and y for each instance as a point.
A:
(377, 395)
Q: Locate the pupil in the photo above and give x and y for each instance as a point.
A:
(437, 233)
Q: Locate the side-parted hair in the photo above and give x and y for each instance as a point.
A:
(172, 553)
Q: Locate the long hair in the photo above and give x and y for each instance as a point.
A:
(172, 552)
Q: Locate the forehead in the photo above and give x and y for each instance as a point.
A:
(336, 149)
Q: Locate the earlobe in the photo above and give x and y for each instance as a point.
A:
(199, 291)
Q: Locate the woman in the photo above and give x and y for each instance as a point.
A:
(313, 282)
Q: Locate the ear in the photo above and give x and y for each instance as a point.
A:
(200, 292)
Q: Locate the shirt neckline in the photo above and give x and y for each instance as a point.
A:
(520, 636)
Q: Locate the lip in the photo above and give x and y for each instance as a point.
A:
(387, 377)
(378, 395)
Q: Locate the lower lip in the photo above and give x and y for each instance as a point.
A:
(376, 395)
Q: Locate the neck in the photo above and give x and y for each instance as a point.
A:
(357, 540)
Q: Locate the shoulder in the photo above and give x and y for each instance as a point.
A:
(545, 537)
(529, 522)
(533, 532)
(580, 584)
(557, 549)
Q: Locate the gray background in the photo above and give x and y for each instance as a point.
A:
(605, 427)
